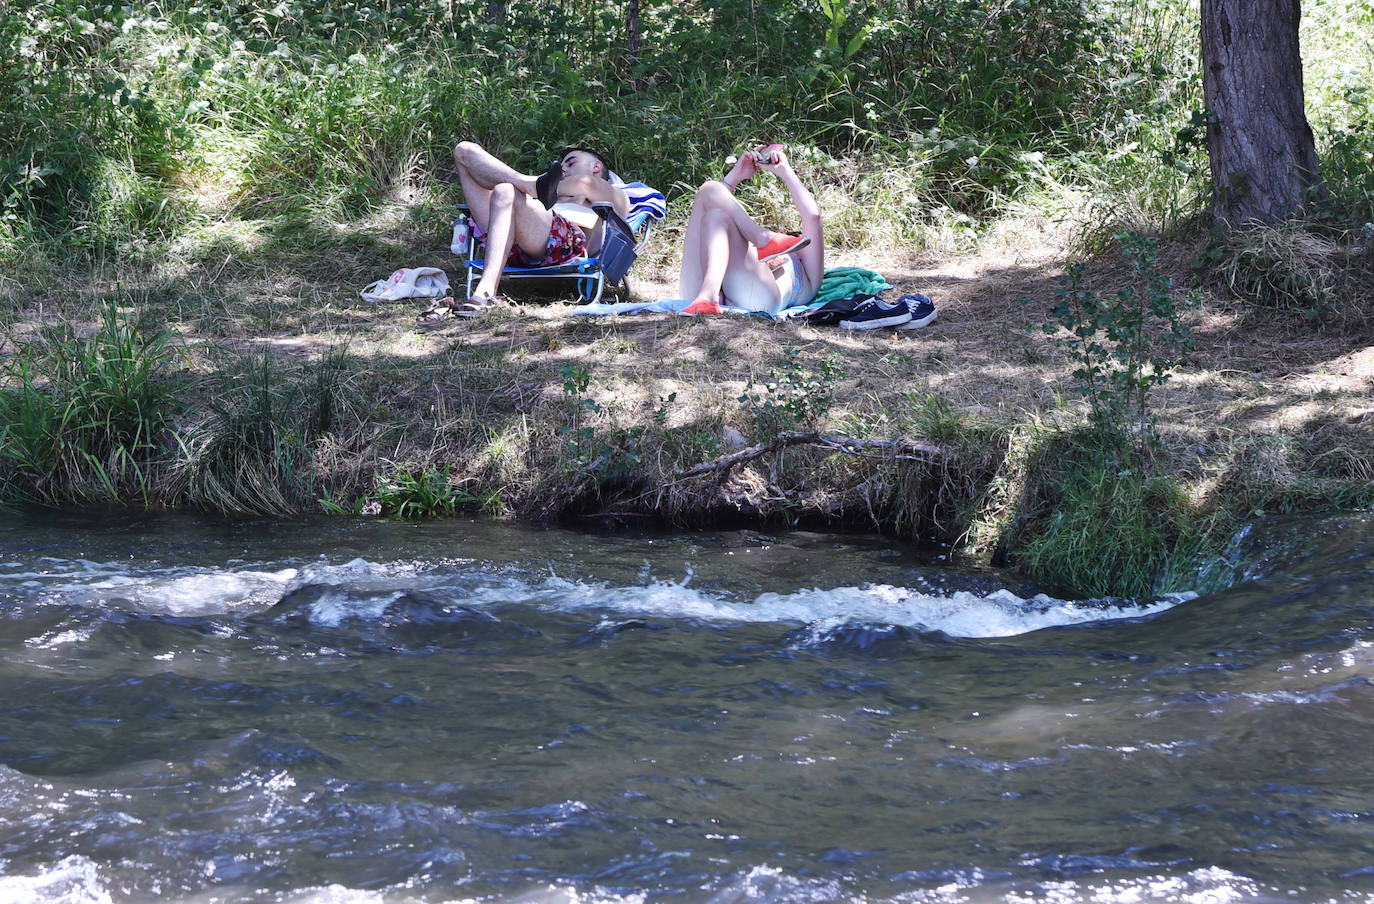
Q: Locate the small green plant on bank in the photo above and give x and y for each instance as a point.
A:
(410, 494)
(684, 443)
(418, 494)
(581, 435)
(792, 398)
(613, 458)
(1125, 345)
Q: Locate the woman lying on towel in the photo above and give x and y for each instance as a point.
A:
(728, 259)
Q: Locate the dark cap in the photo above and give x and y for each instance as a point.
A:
(546, 186)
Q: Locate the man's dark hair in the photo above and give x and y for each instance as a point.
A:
(546, 186)
(605, 164)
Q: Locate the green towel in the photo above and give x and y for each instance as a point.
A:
(846, 282)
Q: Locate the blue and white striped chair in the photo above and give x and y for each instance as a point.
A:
(624, 238)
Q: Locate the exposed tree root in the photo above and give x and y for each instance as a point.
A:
(899, 449)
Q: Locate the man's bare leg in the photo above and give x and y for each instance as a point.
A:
(513, 219)
(479, 172)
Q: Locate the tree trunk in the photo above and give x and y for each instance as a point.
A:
(632, 36)
(1264, 160)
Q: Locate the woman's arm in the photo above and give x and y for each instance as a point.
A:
(813, 255)
(745, 168)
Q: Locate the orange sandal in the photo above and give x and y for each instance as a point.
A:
(781, 243)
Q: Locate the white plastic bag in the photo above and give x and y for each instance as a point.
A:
(410, 282)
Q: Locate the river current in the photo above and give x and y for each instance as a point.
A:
(358, 711)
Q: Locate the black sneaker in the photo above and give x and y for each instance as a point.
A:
(922, 311)
(832, 312)
(873, 314)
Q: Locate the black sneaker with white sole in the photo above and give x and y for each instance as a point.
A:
(922, 311)
(873, 314)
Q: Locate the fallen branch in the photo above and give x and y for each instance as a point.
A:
(899, 449)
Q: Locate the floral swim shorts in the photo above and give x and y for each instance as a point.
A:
(566, 241)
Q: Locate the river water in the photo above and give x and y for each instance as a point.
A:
(339, 711)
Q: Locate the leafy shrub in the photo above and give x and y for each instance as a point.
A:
(1348, 160)
(1125, 345)
(793, 397)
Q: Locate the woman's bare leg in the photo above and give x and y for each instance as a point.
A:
(720, 240)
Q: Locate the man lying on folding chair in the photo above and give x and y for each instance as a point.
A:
(531, 221)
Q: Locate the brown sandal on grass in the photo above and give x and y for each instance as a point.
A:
(478, 305)
(436, 314)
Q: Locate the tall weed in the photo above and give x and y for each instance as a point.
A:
(252, 454)
(82, 418)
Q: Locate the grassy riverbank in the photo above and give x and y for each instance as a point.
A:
(182, 256)
(281, 392)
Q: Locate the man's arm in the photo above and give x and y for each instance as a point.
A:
(586, 190)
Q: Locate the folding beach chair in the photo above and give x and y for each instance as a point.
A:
(623, 240)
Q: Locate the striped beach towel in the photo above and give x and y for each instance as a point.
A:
(643, 199)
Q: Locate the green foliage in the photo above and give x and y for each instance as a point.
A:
(127, 125)
(1338, 76)
(427, 493)
(1348, 164)
(1125, 345)
(82, 417)
(792, 398)
(1112, 530)
(835, 12)
(83, 148)
(124, 127)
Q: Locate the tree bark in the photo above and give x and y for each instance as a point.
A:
(1264, 159)
(632, 36)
